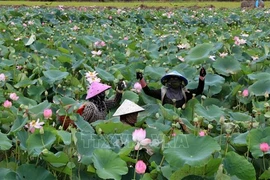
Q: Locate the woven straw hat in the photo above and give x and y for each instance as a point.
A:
(127, 107)
(166, 77)
(96, 88)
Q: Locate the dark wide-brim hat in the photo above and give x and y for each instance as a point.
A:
(167, 76)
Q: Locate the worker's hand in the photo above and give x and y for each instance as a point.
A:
(202, 72)
(139, 75)
(121, 85)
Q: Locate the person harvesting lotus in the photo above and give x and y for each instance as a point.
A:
(173, 90)
(97, 106)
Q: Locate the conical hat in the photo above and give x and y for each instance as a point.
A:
(165, 78)
(127, 107)
(96, 88)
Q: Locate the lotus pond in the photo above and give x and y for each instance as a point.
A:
(45, 55)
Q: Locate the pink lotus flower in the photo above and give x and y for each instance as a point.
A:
(201, 133)
(2, 77)
(7, 104)
(34, 125)
(126, 38)
(14, 96)
(245, 93)
(47, 113)
(138, 136)
(223, 54)
(137, 86)
(140, 167)
(264, 147)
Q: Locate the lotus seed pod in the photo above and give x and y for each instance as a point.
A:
(210, 126)
(266, 95)
(195, 119)
(255, 124)
(184, 106)
(266, 105)
(46, 93)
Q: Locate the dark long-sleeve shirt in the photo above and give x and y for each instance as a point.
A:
(156, 93)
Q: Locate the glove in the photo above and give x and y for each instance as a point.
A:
(202, 72)
(139, 75)
(121, 85)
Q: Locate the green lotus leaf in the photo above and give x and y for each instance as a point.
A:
(22, 137)
(207, 170)
(55, 75)
(37, 110)
(64, 58)
(239, 166)
(65, 136)
(4, 172)
(87, 142)
(59, 161)
(104, 75)
(31, 40)
(239, 116)
(259, 76)
(37, 142)
(83, 125)
(155, 73)
(132, 96)
(18, 123)
(214, 80)
(5, 142)
(265, 174)
(210, 113)
(108, 164)
(24, 83)
(190, 149)
(108, 127)
(255, 138)
(199, 53)
(227, 66)
(33, 172)
(259, 88)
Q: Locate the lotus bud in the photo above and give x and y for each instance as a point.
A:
(193, 95)
(59, 85)
(41, 131)
(210, 126)
(195, 119)
(46, 93)
(266, 95)
(221, 120)
(184, 106)
(239, 92)
(157, 115)
(45, 151)
(99, 131)
(203, 97)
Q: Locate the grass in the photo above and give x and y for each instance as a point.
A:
(129, 4)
